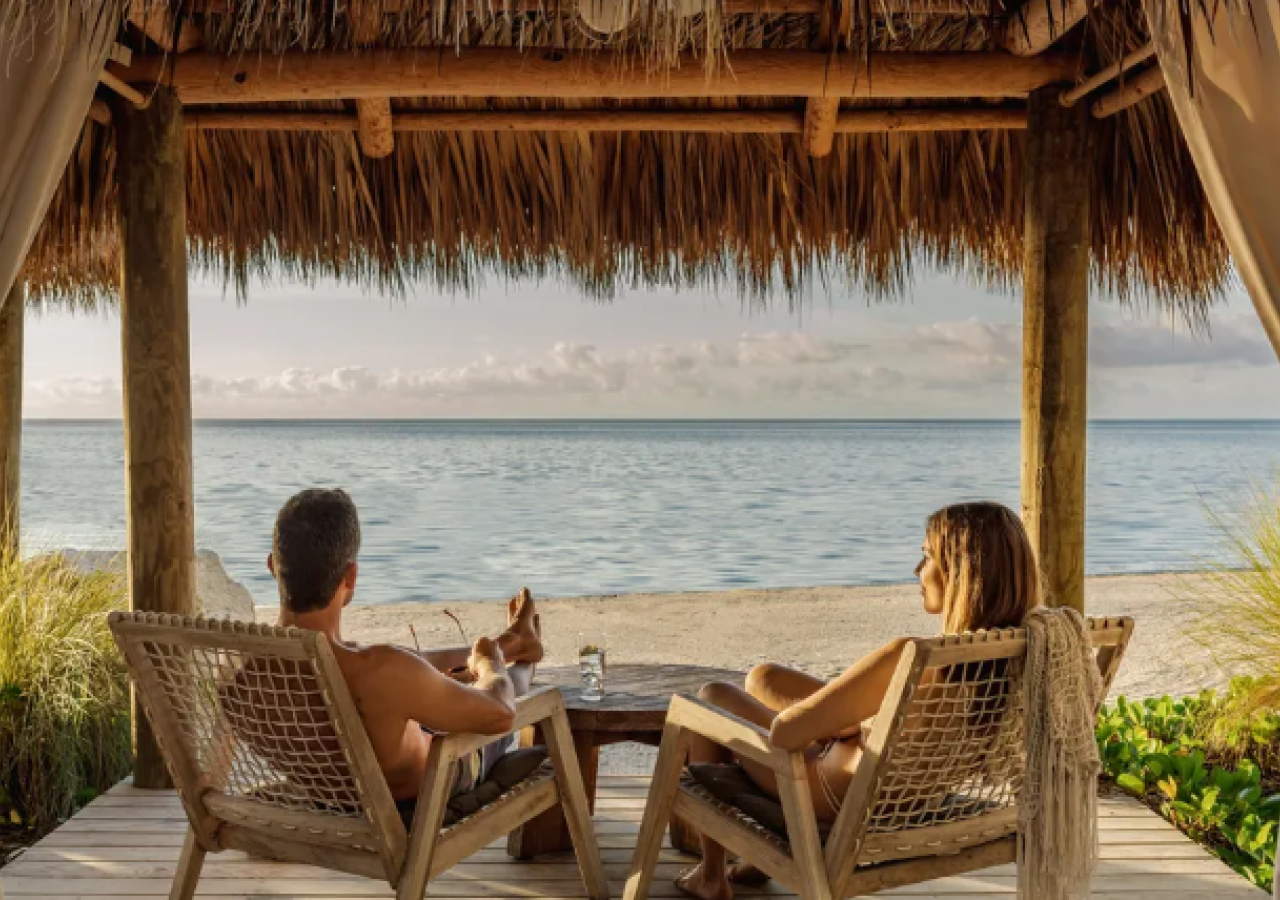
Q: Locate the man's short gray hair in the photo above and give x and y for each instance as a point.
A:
(317, 534)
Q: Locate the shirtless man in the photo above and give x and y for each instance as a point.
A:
(402, 695)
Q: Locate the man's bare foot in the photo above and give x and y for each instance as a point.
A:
(695, 883)
(747, 875)
(524, 630)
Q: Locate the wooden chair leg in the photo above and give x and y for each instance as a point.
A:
(573, 798)
(657, 810)
(802, 832)
(428, 816)
(189, 865)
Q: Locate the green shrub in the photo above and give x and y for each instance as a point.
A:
(64, 693)
(1161, 751)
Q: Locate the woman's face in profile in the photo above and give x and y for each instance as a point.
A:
(932, 587)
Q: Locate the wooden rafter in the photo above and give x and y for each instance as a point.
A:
(1133, 90)
(979, 8)
(545, 73)
(743, 121)
(1110, 73)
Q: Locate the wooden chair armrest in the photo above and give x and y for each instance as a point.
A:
(745, 739)
(534, 707)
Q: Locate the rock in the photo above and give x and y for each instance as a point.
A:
(218, 595)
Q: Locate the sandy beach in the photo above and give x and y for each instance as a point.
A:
(821, 630)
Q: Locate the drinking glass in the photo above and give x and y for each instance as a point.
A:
(591, 666)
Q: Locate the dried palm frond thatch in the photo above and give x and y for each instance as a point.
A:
(753, 213)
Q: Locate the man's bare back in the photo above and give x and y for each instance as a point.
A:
(400, 692)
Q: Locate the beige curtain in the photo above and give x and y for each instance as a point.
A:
(51, 54)
(1229, 110)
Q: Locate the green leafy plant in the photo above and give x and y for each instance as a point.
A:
(1162, 751)
(64, 692)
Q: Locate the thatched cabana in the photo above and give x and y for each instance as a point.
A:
(617, 171)
(753, 144)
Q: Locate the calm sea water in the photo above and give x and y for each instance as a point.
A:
(457, 510)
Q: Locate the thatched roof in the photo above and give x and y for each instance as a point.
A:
(749, 211)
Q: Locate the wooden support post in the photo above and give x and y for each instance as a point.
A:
(157, 375)
(11, 320)
(1056, 341)
(377, 140)
(821, 113)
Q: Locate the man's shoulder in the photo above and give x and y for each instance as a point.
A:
(379, 660)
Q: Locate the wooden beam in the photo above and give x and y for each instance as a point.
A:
(740, 121)
(373, 117)
(879, 8)
(155, 19)
(1133, 90)
(821, 113)
(11, 320)
(1055, 345)
(1033, 27)
(1110, 73)
(157, 374)
(377, 140)
(548, 73)
(121, 87)
(100, 112)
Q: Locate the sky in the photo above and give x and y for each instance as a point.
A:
(525, 349)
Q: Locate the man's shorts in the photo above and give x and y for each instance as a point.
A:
(468, 774)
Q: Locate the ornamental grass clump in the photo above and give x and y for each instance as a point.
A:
(1237, 611)
(64, 692)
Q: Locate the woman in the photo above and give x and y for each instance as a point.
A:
(978, 572)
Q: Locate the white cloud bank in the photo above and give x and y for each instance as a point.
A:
(948, 368)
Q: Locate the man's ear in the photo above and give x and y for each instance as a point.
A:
(349, 581)
(271, 564)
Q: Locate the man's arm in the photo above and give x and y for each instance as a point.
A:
(437, 702)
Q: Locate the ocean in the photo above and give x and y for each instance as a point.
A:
(475, 509)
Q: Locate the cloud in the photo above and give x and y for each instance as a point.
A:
(1127, 344)
(766, 367)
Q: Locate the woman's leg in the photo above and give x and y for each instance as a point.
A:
(779, 687)
(709, 880)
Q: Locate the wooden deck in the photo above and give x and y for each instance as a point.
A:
(126, 843)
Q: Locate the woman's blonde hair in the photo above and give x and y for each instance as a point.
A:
(989, 570)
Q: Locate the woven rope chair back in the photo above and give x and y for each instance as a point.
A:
(253, 714)
(959, 754)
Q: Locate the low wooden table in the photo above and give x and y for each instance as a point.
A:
(634, 708)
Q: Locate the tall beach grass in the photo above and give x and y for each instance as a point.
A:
(64, 692)
(1237, 612)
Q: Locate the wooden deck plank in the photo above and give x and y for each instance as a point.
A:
(126, 843)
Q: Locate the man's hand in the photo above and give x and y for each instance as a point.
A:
(486, 657)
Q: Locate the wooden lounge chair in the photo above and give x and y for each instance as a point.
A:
(936, 792)
(270, 757)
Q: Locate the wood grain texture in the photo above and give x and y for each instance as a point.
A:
(1009, 117)
(157, 373)
(12, 317)
(1143, 858)
(507, 72)
(1055, 330)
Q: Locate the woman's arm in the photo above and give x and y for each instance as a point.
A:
(840, 706)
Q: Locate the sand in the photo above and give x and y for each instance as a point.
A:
(821, 630)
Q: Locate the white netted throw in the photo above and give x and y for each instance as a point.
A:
(1058, 815)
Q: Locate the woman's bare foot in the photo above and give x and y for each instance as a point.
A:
(748, 875)
(695, 883)
(523, 637)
